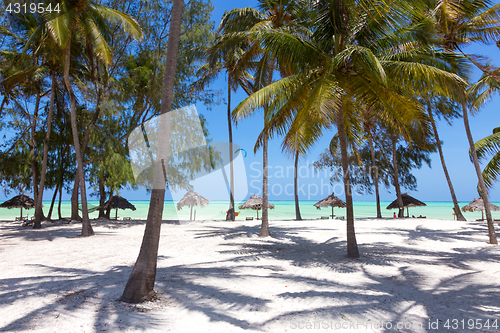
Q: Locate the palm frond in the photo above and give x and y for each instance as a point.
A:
(128, 23)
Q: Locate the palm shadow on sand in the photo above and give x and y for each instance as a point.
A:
(191, 287)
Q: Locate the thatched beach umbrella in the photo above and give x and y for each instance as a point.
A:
(255, 203)
(118, 202)
(408, 201)
(330, 201)
(19, 201)
(478, 204)
(192, 199)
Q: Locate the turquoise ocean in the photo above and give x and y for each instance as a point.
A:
(285, 210)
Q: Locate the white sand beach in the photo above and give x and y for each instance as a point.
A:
(414, 275)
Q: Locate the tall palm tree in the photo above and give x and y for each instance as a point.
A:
(221, 59)
(237, 25)
(430, 112)
(140, 285)
(368, 129)
(458, 23)
(350, 58)
(85, 19)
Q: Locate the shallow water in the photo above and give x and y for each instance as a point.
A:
(285, 210)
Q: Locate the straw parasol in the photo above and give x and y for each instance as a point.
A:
(118, 202)
(19, 201)
(478, 204)
(330, 201)
(192, 199)
(408, 201)
(255, 203)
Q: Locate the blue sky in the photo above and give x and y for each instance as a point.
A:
(432, 185)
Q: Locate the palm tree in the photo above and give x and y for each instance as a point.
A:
(85, 19)
(349, 59)
(457, 23)
(236, 25)
(442, 108)
(140, 285)
(462, 22)
(221, 59)
(484, 89)
(369, 125)
(490, 145)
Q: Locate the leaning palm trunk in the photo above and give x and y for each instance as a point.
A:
(396, 176)
(375, 175)
(482, 186)
(86, 227)
(38, 202)
(456, 208)
(352, 246)
(140, 285)
(230, 213)
(298, 217)
(52, 202)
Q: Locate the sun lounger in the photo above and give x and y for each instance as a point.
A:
(21, 218)
(325, 217)
(339, 218)
(127, 218)
(248, 218)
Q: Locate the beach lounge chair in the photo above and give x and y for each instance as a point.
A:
(325, 217)
(249, 218)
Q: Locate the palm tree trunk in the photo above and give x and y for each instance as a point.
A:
(375, 175)
(298, 217)
(264, 227)
(59, 213)
(4, 100)
(456, 208)
(230, 213)
(102, 195)
(352, 245)
(51, 209)
(396, 176)
(38, 204)
(482, 186)
(34, 163)
(86, 227)
(75, 213)
(140, 285)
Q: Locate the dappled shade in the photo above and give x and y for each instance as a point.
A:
(19, 201)
(192, 199)
(330, 201)
(478, 205)
(118, 202)
(408, 201)
(255, 203)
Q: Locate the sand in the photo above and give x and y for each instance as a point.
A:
(414, 275)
